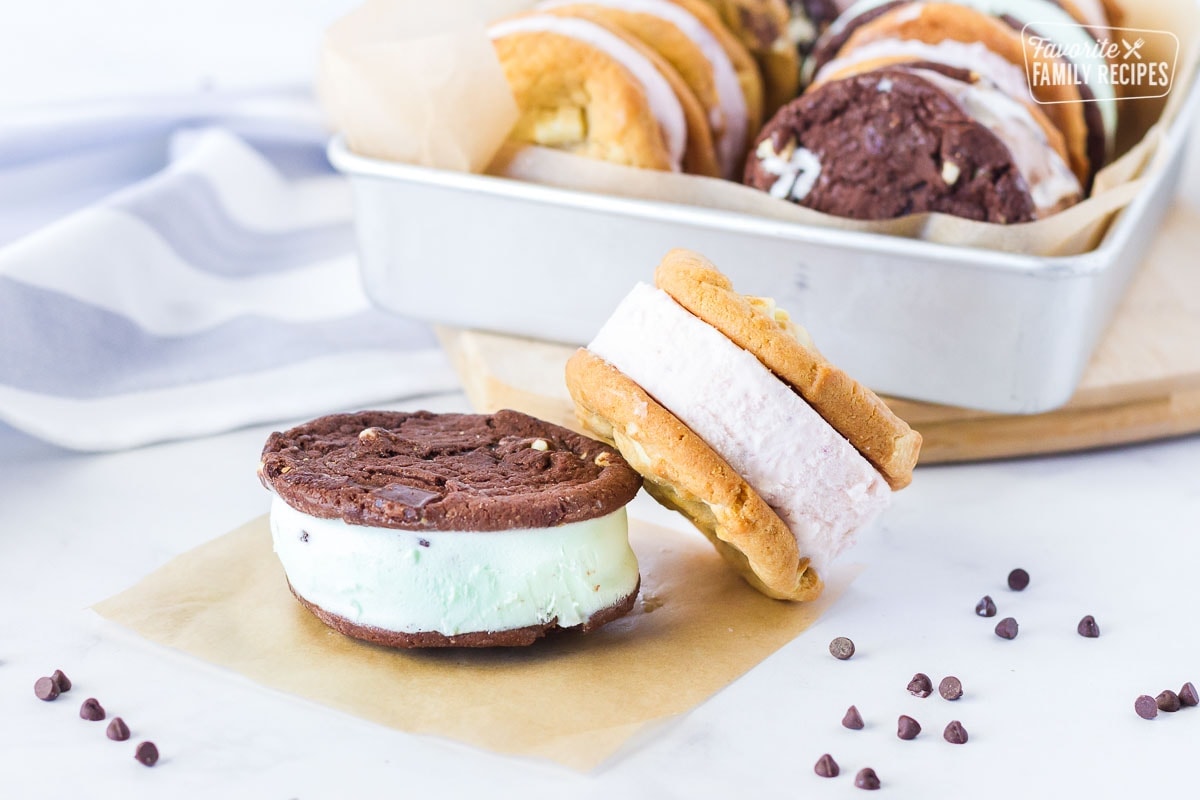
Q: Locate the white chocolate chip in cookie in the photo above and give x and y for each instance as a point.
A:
(950, 173)
(782, 318)
(798, 169)
(554, 127)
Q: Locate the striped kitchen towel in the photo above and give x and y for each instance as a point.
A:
(182, 269)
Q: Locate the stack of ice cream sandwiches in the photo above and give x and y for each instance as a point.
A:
(680, 85)
(908, 106)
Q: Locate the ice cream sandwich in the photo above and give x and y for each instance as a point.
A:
(451, 530)
(1057, 24)
(587, 87)
(964, 38)
(735, 420)
(914, 139)
(715, 66)
(763, 26)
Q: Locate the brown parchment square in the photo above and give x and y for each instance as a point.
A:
(572, 698)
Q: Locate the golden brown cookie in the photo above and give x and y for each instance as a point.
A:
(762, 26)
(852, 409)
(674, 47)
(683, 473)
(712, 62)
(588, 88)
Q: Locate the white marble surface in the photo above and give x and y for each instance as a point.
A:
(1115, 534)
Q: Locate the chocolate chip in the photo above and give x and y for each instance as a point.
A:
(907, 727)
(950, 688)
(853, 720)
(920, 685)
(1088, 628)
(45, 689)
(91, 710)
(841, 648)
(1007, 628)
(866, 779)
(986, 607)
(117, 730)
(1168, 701)
(826, 767)
(1018, 579)
(61, 681)
(1188, 696)
(1146, 707)
(146, 753)
(955, 733)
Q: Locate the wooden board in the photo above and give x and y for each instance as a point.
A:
(1143, 382)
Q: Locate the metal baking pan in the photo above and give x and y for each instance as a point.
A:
(933, 322)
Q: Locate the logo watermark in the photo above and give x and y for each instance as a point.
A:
(1134, 63)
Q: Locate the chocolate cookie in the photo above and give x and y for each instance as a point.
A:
(466, 472)
(965, 38)
(1056, 23)
(435, 530)
(901, 141)
(510, 637)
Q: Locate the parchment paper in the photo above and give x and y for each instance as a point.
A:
(574, 699)
(378, 91)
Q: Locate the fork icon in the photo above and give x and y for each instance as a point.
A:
(1132, 49)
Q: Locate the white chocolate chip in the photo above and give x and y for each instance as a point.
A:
(884, 85)
(540, 445)
(368, 434)
(950, 172)
(782, 318)
(798, 169)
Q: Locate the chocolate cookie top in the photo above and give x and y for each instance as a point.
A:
(885, 144)
(465, 472)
